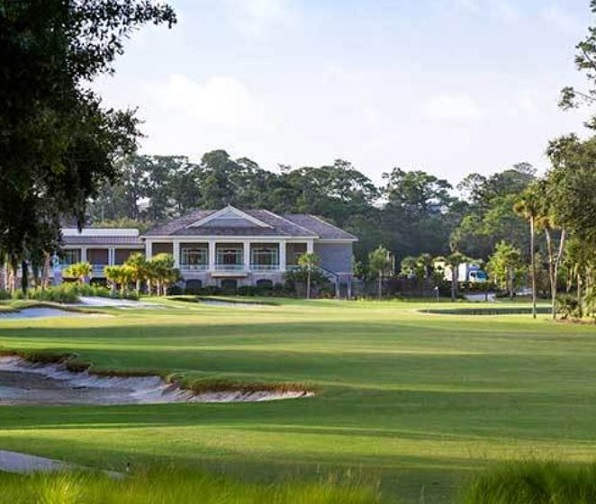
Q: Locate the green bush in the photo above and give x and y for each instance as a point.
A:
(569, 306)
(533, 482)
(175, 290)
(65, 293)
(69, 292)
(4, 295)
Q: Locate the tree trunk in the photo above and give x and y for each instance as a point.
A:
(380, 289)
(24, 277)
(453, 283)
(510, 282)
(308, 283)
(533, 266)
(554, 262)
(3, 277)
(14, 265)
(45, 275)
(551, 277)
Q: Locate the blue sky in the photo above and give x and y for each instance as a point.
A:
(447, 86)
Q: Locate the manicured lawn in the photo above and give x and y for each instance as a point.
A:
(418, 402)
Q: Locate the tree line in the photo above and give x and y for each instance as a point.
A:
(65, 155)
(409, 212)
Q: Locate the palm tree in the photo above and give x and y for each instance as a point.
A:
(138, 268)
(80, 271)
(453, 261)
(380, 261)
(308, 261)
(119, 277)
(161, 270)
(529, 207)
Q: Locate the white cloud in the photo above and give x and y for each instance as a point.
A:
(468, 5)
(505, 10)
(220, 101)
(560, 19)
(452, 108)
(256, 17)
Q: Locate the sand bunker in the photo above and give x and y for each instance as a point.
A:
(24, 383)
(123, 304)
(34, 313)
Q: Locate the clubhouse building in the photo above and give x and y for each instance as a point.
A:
(225, 248)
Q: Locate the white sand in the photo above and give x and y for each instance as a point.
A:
(24, 383)
(23, 463)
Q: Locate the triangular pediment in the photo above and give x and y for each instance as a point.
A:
(229, 217)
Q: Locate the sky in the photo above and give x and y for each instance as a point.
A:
(446, 86)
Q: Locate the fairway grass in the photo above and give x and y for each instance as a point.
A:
(415, 402)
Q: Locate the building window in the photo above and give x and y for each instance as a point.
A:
(229, 256)
(72, 256)
(194, 258)
(265, 258)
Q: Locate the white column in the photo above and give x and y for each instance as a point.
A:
(246, 255)
(83, 254)
(112, 256)
(148, 251)
(282, 256)
(310, 247)
(176, 253)
(211, 255)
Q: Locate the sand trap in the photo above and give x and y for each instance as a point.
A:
(23, 463)
(24, 383)
(101, 302)
(34, 313)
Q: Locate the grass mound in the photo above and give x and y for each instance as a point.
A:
(534, 483)
(172, 486)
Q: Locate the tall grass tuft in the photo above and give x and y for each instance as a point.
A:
(164, 486)
(533, 482)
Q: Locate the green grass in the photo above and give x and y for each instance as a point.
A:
(532, 482)
(161, 486)
(417, 402)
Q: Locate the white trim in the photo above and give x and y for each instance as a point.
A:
(100, 232)
(339, 240)
(211, 255)
(226, 210)
(103, 246)
(230, 238)
(283, 259)
(176, 253)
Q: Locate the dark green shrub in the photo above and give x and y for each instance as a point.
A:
(569, 306)
(210, 290)
(175, 290)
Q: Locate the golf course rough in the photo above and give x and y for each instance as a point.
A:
(417, 403)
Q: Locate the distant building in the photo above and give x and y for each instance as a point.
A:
(227, 247)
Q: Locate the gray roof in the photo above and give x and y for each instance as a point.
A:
(298, 225)
(320, 227)
(132, 241)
